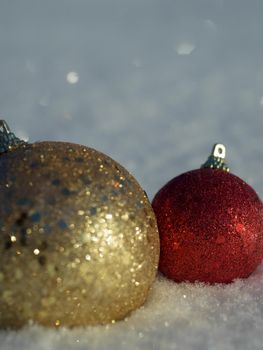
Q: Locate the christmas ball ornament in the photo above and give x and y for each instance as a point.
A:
(79, 243)
(210, 224)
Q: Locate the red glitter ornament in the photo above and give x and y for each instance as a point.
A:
(210, 224)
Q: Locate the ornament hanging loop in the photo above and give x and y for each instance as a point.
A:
(216, 160)
(4, 128)
(8, 140)
(219, 151)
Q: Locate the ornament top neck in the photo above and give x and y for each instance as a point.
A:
(8, 140)
(216, 160)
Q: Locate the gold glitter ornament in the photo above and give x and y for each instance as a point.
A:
(79, 243)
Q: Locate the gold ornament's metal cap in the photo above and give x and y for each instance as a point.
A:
(216, 160)
(8, 140)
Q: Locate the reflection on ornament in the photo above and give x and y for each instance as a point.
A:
(79, 241)
(210, 224)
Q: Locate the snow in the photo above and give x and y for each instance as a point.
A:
(176, 316)
(154, 84)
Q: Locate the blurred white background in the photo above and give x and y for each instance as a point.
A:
(154, 84)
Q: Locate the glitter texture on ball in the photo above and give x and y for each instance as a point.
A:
(211, 227)
(79, 241)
